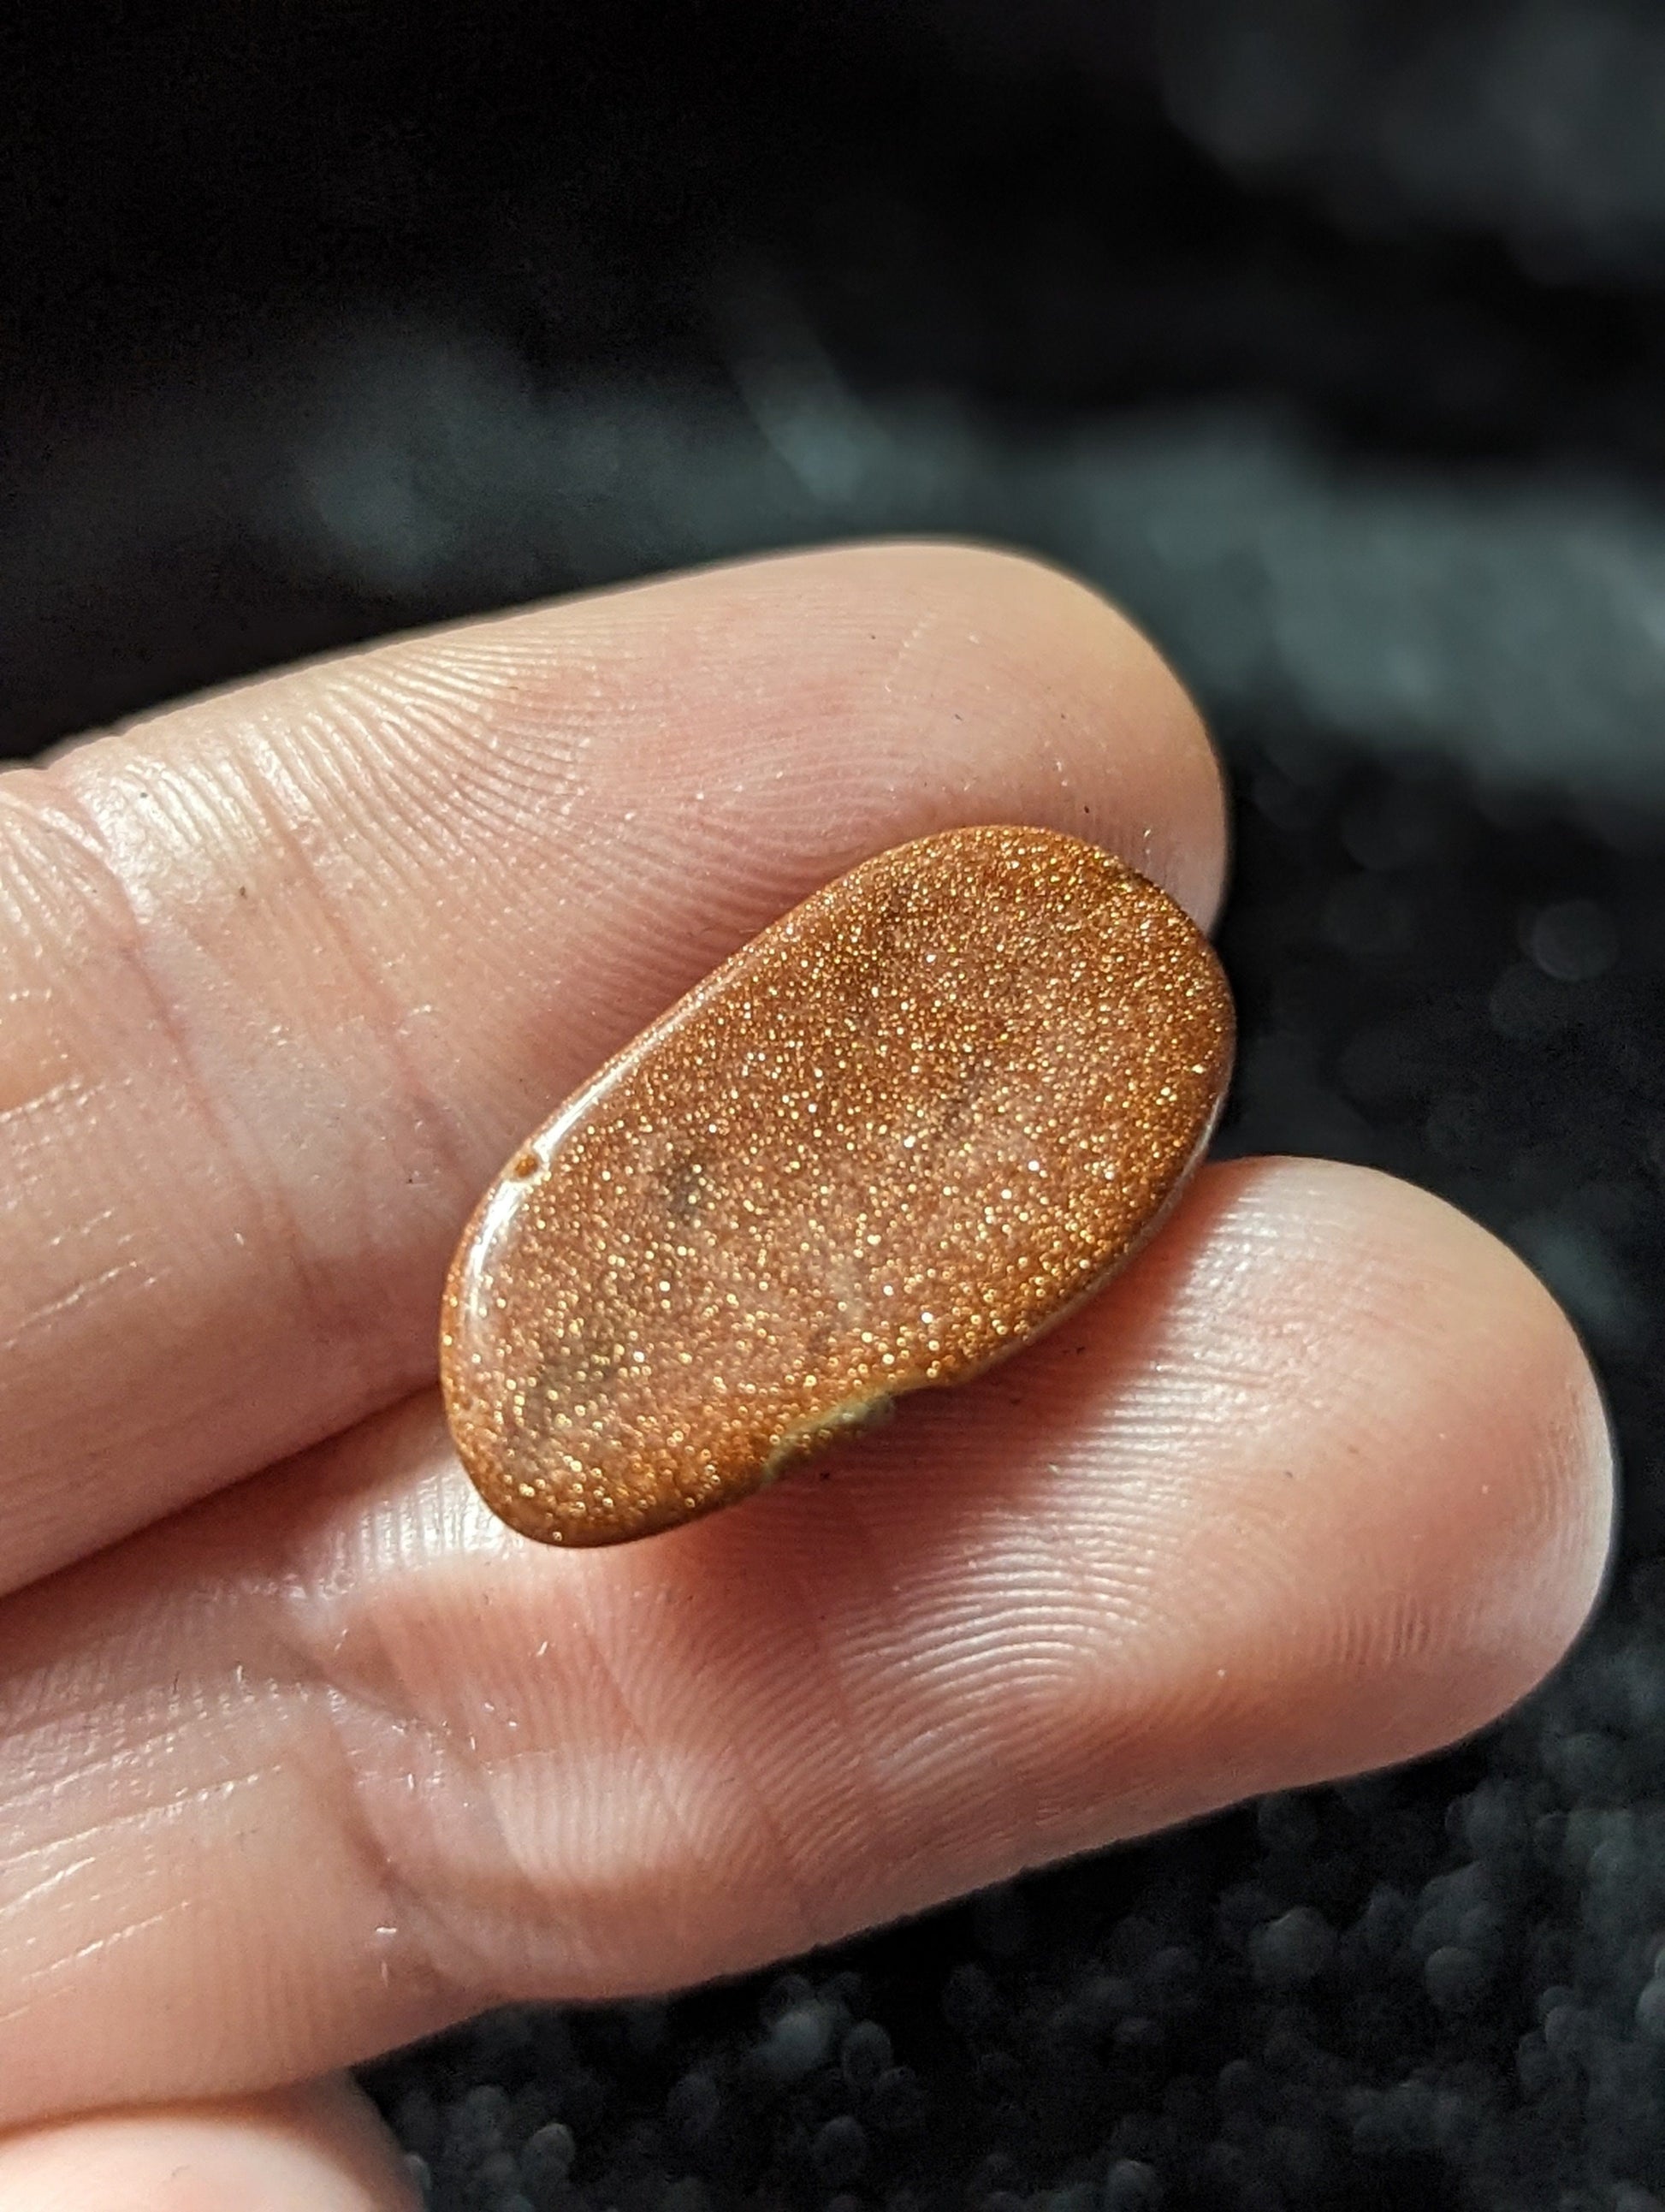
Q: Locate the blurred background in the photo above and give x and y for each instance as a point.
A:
(1329, 336)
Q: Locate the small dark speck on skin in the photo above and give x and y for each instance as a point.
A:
(242, 891)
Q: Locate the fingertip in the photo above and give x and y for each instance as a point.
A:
(1137, 765)
(1466, 1536)
(1149, 717)
(321, 2149)
(1541, 1438)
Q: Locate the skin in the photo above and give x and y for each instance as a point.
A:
(300, 1750)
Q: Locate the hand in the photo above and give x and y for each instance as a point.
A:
(302, 1754)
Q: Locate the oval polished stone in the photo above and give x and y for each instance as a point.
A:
(903, 1131)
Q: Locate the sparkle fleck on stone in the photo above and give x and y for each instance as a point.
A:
(894, 1138)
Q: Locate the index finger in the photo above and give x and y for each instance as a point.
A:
(288, 972)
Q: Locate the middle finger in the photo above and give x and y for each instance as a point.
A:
(1321, 1481)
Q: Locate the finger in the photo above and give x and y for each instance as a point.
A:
(1320, 1483)
(288, 974)
(318, 2150)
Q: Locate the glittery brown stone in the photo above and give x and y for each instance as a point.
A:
(906, 1128)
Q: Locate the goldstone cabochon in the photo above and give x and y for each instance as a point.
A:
(905, 1129)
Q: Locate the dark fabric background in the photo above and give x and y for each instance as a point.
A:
(1329, 336)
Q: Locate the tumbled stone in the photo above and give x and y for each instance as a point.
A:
(892, 1139)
